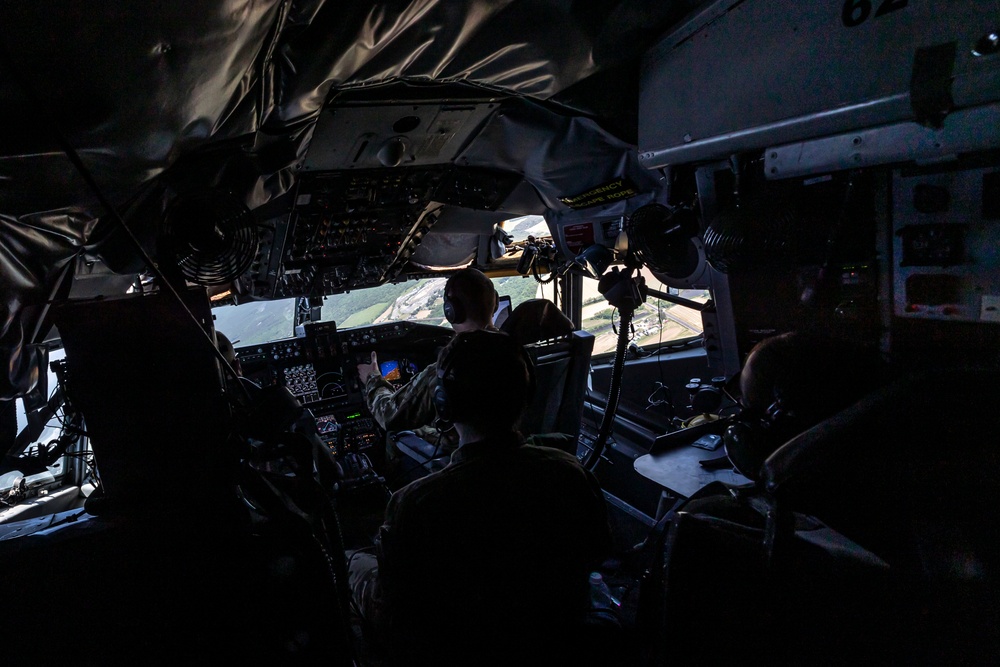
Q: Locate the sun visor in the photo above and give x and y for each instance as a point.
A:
(456, 220)
(562, 157)
(456, 237)
(446, 251)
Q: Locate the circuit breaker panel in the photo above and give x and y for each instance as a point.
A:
(946, 255)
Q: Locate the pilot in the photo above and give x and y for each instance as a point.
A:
(493, 551)
(469, 303)
(250, 388)
(228, 352)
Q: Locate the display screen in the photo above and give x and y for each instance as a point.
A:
(391, 370)
(502, 311)
(397, 371)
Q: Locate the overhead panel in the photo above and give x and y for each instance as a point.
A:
(352, 229)
(393, 135)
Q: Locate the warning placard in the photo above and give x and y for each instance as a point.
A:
(578, 236)
(621, 188)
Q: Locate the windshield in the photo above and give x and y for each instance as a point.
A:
(415, 301)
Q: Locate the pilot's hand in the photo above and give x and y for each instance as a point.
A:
(367, 370)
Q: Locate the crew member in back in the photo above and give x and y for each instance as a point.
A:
(477, 562)
(469, 303)
(791, 382)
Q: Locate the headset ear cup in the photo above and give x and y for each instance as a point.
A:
(746, 448)
(449, 310)
(453, 310)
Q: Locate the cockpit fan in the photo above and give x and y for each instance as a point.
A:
(665, 240)
(209, 236)
(752, 230)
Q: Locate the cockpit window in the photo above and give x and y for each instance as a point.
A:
(528, 225)
(414, 301)
(52, 430)
(256, 322)
(419, 300)
(259, 322)
(656, 322)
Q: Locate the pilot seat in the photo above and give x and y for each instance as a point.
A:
(561, 355)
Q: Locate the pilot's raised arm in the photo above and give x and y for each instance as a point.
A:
(469, 302)
(409, 407)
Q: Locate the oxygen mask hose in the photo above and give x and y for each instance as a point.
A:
(614, 392)
(626, 293)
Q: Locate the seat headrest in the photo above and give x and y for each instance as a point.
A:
(537, 319)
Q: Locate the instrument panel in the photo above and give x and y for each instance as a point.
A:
(319, 368)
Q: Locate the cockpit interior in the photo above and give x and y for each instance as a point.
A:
(653, 188)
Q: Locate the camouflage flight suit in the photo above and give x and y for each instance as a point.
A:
(410, 408)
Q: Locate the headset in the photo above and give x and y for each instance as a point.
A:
(454, 311)
(753, 437)
(811, 378)
(458, 395)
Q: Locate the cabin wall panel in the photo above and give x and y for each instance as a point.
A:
(761, 73)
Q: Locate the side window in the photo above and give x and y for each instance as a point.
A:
(656, 322)
(522, 288)
(52, 430)
(257, 321)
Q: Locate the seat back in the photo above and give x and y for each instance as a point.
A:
(150, 391)
(910, 473)
(536, 320)
(869, 538)
(562, 366)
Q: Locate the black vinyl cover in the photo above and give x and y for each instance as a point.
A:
(158, 98)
